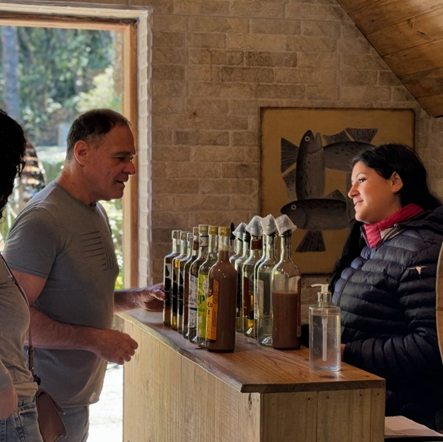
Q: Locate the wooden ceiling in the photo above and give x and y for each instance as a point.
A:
(408, 34)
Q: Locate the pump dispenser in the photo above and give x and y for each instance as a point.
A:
(324, 333)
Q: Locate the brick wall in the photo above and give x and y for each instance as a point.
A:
(214, 64)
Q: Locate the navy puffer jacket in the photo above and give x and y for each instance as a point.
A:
(388, 310)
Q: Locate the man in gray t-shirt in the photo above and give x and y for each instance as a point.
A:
(60, 249)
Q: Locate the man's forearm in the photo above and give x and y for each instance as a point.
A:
(127, 299)
(47, 333)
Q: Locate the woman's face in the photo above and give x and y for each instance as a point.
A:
(375, 198)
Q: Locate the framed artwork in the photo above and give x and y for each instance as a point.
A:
(305, 171)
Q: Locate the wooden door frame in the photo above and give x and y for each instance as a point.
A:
(122, 19)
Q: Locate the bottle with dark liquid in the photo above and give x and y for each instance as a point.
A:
(262, 291)
(194, 254)
(248, 276)
(222, 299)
(238, 265)
(203, 285)
(193, 281)
(285, 295)
(167, 277)
(176, 278)
(181, 282)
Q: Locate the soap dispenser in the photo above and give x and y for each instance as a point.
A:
(324, 333)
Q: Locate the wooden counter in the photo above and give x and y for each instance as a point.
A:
(177, 392)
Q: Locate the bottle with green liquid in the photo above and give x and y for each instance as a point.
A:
(167, 276)
(203, 285)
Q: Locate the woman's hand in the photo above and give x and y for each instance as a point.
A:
(8, 402)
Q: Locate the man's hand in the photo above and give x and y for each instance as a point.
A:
(113, 346)
(8, 402)
(151, 298)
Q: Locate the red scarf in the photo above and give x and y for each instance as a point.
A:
(374, 232)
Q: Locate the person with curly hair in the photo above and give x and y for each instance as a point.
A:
(18, 413)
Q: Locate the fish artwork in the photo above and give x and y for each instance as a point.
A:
(312, 210)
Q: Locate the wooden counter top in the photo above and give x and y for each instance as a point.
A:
(253, 368)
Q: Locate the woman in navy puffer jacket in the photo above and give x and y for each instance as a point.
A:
(385, 282)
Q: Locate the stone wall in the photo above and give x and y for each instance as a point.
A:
(215, 63)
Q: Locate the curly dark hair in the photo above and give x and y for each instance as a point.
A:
(13, 146)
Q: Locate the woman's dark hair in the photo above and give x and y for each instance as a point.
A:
(389, 158)
(385, 160)
(93, 125)
(13, 147)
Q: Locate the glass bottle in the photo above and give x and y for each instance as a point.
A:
(248, 276)
(262, 306)
(285, 299)
(193, 281)
(167, 276)
(222, 299)
(238, 265)
(203, 285)
(176, 278)
(194, 247)
(181, 282)
(238, 243)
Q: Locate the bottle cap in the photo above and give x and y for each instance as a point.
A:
(324, 295)
(183, 235)
(213, 230)
(224, 231)
(190, 236)
(240, 229)
(203, 229)
(175, 234)
(254, 227)
(284, 224)
(195, 231)
(269, 225)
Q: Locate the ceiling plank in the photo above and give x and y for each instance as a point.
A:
(415, 31)
(385, 13)
(352, 5)
(432, 104)
(417, 59)
(423, 84)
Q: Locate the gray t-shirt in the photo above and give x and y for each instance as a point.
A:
(68, 242)
(14, 322)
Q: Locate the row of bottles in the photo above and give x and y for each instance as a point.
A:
(218, 281)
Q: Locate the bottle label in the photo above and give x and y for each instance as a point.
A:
(212, 310)
(192, 301)
(167, 284)
(203, 282)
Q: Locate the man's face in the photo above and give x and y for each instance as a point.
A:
(109, 166)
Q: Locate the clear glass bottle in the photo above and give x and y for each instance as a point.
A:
(181, 282)
(285, 298)
(167, 276)
(248, 276)
(193, 281)
(238, 242)
(238, 265)
(222, 299)
(176, 278)
(203, 285)
(262, 307)
(324, 333)
(194, 254)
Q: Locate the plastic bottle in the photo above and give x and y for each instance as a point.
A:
(167, 276)
(222, 299)
(285, 295)
(324, 333)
